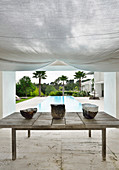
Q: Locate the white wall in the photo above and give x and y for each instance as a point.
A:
(117, 94)
(98, 76)
(1, 115)
(87, 86)
(98, 89)
(110, 93)
(7, 93)
(99, 80)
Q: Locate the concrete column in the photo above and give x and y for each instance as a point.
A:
(7, 93)
(98, 89)
(1, 100)
(117, 95)
(111, 93)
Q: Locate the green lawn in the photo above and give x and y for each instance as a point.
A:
(24, 99)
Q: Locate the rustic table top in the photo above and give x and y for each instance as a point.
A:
(72, 121)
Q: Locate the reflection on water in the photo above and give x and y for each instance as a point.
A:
(71, 104)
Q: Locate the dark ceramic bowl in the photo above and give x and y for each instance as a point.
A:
(89, 115)
(57, 111)
(28, 113)
(89, 110)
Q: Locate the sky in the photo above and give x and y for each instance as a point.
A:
(51, 75)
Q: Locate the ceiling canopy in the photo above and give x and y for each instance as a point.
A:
(59, 35)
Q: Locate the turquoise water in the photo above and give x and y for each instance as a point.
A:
(71, 104)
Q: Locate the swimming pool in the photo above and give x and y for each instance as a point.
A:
(71, 104)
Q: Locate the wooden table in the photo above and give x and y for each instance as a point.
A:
(72, 121)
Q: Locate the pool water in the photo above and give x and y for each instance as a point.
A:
(71, 105)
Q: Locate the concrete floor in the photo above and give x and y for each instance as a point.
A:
(59, 150)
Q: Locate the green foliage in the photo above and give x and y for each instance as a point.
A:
(93, 84)
(40, 74)
(56, 93)
(52, 93)
(68, 93)
(63, 78)
(43, 87)
(56, 83)
(70, 85)
(76, 88)
(23, 99)
(24, 87)
(80, 74)
(60, 88)
(36, 92)
(49, 89)
(74, 94)
(81, 94)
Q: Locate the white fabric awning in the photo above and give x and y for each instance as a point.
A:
(83, 34)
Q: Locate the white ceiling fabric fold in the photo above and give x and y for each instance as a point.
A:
(84, 34)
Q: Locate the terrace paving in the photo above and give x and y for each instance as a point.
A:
(59, 150)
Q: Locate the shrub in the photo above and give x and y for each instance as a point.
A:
(36, 92)
(49, 89)
(74, 94)
(68, 93)
(58, 93)
(52, 93)
(81, 94)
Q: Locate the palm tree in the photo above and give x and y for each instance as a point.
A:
(40, 75)
(63, 78)
(79, 75)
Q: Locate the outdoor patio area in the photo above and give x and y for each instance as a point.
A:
(59, 85)
(59, 150)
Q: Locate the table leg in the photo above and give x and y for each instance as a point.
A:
(13, 144)
(29, 134)
(104, 144)
(89, 133)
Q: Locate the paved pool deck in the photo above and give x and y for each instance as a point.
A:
(59, 150)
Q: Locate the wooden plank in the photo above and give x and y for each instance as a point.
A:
(42, 123)
(21, 122)
(103, 124)
(70, 114)
(44, 120)
(102, 120)
(17, 115)
(16, 120)
(72, 119)
(74, 122)
(58, 122)
(99, 114)
(104, 144)
(45, 115)
(98, 117)
(13, 144)
(29, 133)
(89, 133)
